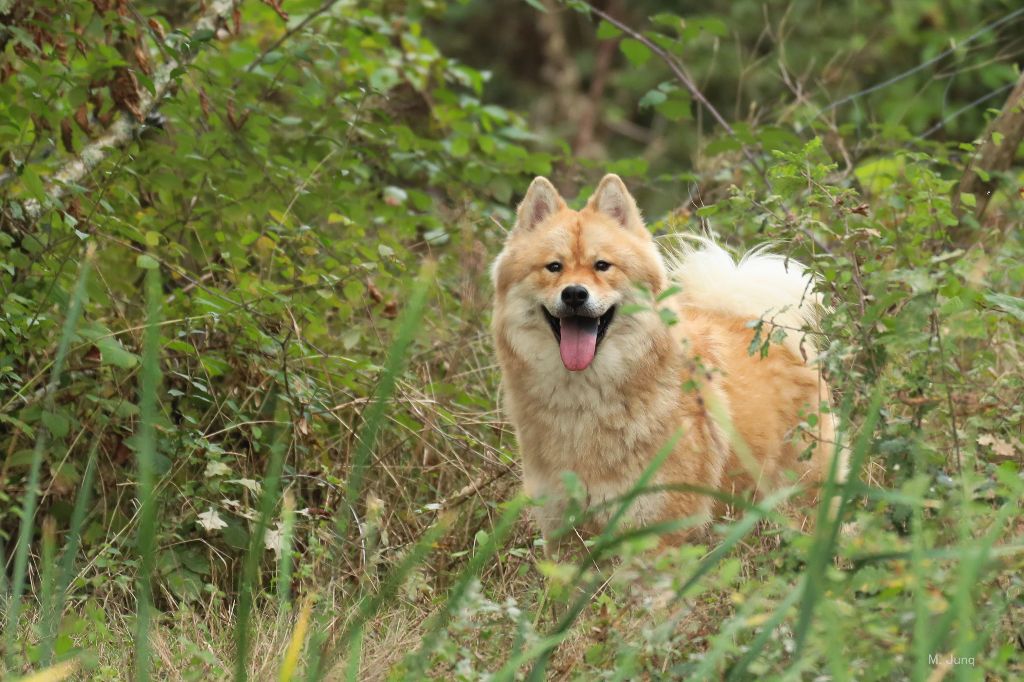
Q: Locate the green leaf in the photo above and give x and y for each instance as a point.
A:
(56, 423)
(676, 107)
(630, 167)
(113, 353)
(652, 99)
(668, 20)
(111, 350)
(714, 26)
(1007, 303)
(34, 184)
(606, 31)
(636, 52)
(147, 262)
(460, 147)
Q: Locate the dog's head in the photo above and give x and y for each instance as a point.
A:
(564, 274)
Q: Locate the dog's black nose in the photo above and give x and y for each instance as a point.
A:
(574, 295)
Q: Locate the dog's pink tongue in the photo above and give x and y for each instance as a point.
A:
(579, 342)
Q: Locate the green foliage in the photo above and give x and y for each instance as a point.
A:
(216, 342)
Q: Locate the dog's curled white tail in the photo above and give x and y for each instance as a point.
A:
(760, 285)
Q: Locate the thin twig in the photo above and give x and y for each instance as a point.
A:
(949, 395)
(923, 65)
(290, 32)
(680, 73)
(126, 126)
(967, 107)
(473, 487)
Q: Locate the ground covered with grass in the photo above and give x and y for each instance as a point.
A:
(250, 423)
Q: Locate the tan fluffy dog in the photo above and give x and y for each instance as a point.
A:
(597, 390)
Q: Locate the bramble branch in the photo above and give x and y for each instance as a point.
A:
(679, 71)
(122, 130)
(999, 145)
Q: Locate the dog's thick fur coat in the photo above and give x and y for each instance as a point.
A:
(603, 409)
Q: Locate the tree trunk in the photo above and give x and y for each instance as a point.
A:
(998, 147)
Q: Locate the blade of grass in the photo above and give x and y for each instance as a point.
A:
(408, 325)
(3, 577)
(839, 665)
(739, 530)
(435, 628)
(317, 644)
(284, 569)
(51, 619)
(268, 500)
(145, 459)
(826, 532)
(31, 496)
(723, 642)
(355, 657)
(973, 559)
(603, 542)
(47, 565)
(291, 657)
(922, 624)
(54, 673)
(388, 589)
(739, 671)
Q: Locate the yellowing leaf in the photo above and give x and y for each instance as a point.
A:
(291, 656)
(54, 673)
(264, 246)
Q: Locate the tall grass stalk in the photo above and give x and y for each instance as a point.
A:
(973, 555)
(55, 606)
(47, 564)
(31, 496)
(922, 619)
(435, 627)
(826, 531)
(284, 568)
(146, 458)
(601, 545)
(268, 500)
(739, 669)
(322, 656)
(291, 656)
(371, 605)
(408, 324)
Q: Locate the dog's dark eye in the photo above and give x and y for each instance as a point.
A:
(554, 267)
(602, 265)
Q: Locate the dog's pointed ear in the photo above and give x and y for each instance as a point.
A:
(613, 200)
(541, 201)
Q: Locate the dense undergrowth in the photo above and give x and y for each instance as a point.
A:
(247, 396)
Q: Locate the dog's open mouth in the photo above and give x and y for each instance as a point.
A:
(578, 337)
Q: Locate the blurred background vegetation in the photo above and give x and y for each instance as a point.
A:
(286, 168)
